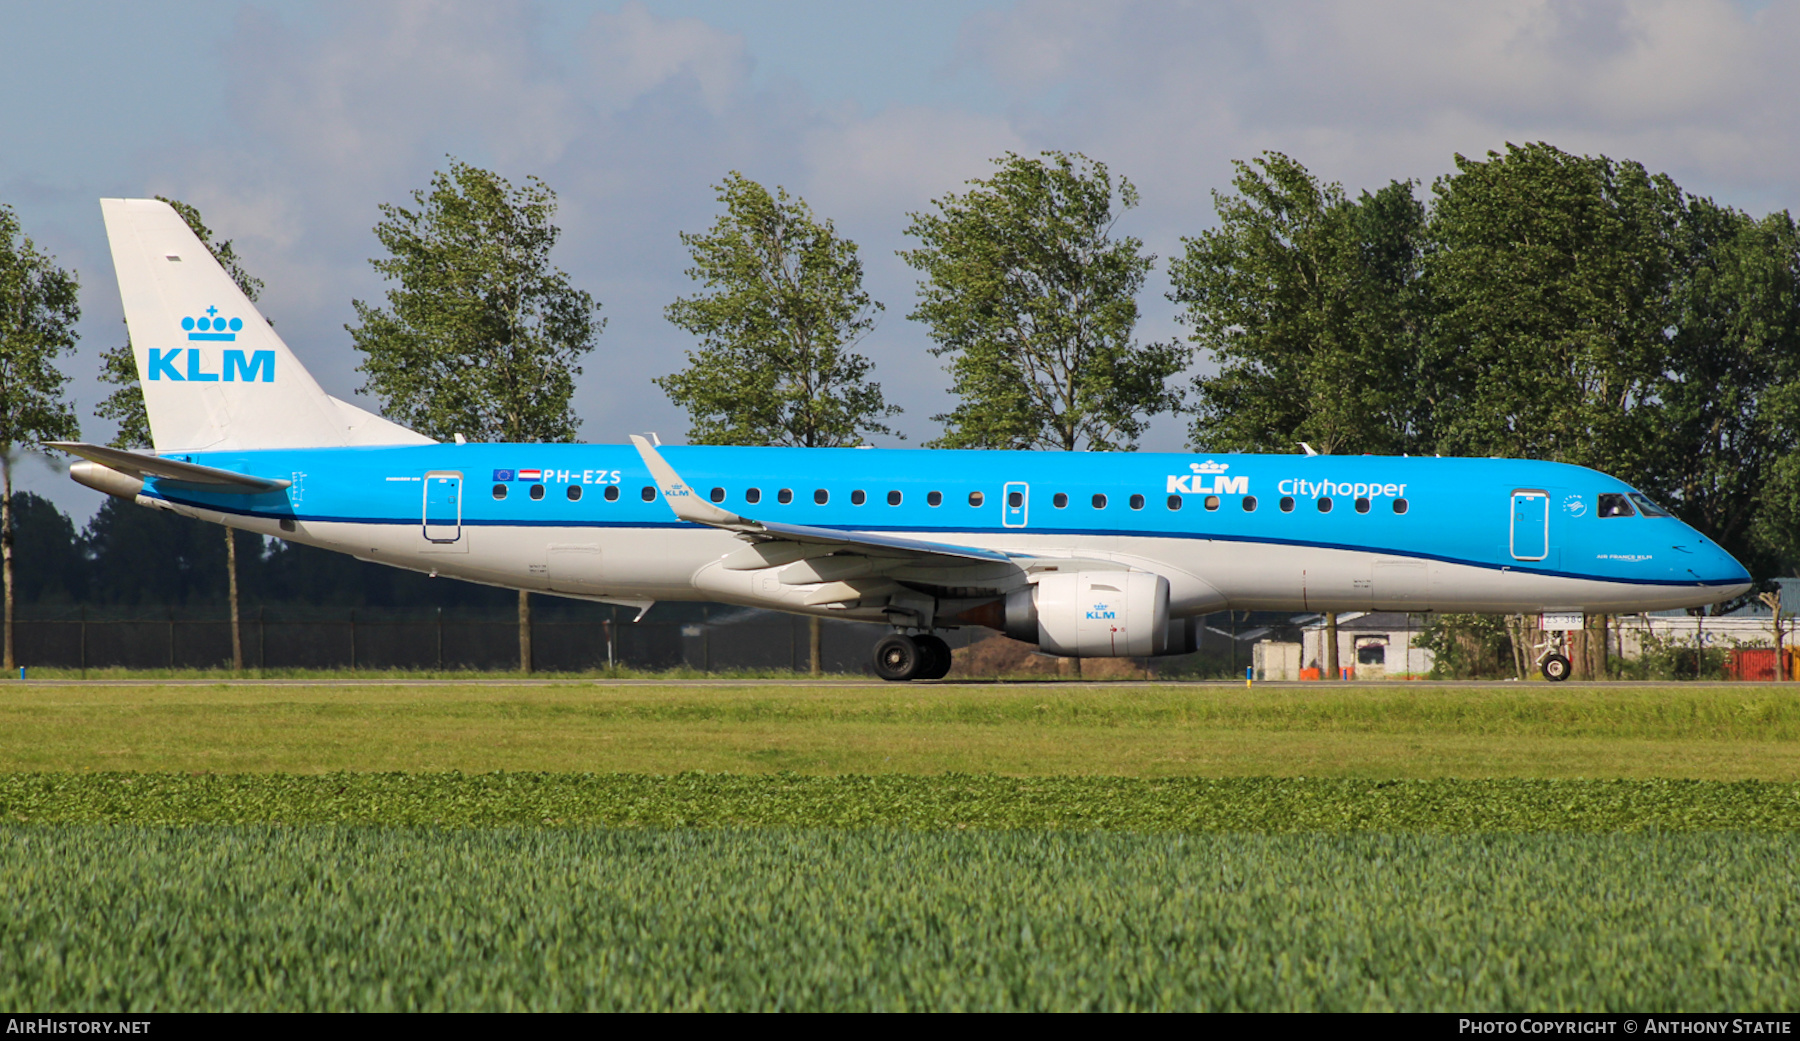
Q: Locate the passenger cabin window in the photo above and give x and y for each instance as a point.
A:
(574, 493)
(893, 498)
(1362, 505)
(857, 498)
(612, 493)
(1615, 505)
(1249, 504)
(1174, 502)
(1212, 503)
(1646, 507)
(1324, 504)
(976, 498)
(649, 493)
(1287, 504)
(1059, 500)
(934, 498)
(537, 492)
(821, 496)
(1015, 499)
(718, 495)
(1137, 502)
(1399, 505)
(1099, 501)
(784, 496)
(499, 491)
(751, 495)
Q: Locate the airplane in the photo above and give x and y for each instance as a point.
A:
(1082, 554)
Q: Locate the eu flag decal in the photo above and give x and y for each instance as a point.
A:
(503, 475)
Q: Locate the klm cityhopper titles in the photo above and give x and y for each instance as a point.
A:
(1086, 555)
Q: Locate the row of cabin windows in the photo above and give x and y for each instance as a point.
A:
(1013, 499)
(611, 494)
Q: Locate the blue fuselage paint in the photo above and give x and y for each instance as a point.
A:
(1456, 510)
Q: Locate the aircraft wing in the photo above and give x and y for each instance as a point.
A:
(138, 464)
(688, 506)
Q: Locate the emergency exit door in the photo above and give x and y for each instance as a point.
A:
(1530, 524)
(1017, 506)
(443, 506)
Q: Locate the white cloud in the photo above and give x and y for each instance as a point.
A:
(1369, 91)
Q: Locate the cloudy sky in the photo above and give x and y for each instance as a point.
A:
(289, 124)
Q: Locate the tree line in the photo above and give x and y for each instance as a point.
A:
(1531, 303)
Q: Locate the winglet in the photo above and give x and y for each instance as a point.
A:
(687, 505)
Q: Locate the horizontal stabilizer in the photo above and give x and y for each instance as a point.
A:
(205, 478)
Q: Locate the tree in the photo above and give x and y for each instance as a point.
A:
(125, 406)
(1726, 395)
(1034, 301)
(38, 311)
(481, 335)
(783, 309)
(1549, 276)
(1310, 303)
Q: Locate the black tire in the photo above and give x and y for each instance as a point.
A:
(898, 658)
(937, 657)
(1556, 668)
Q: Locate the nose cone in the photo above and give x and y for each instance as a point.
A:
(1722, 571)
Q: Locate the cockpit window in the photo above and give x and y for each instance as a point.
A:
(1646, 507)
(1614, 505)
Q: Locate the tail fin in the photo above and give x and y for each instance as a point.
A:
(215, 375)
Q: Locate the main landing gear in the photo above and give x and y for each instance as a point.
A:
(901, 657)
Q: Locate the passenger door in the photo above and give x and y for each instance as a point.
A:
(1530, 524)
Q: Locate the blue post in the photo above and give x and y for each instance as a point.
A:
(1249, 674)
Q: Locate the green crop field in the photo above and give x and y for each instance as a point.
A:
(827, 846)
(386, 918)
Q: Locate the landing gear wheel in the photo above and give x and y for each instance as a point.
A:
(937, 657)
(1556, 668)
(898, 657)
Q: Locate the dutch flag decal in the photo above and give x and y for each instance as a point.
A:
(531, 475)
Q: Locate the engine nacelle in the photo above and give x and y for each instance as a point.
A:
(1097, 614)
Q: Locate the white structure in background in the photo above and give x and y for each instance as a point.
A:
(1375, 644)
(1682, 630)
(1276, 661)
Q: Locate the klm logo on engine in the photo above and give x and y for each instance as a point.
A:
(1208, 478)
(230, 366)
(1101, 613)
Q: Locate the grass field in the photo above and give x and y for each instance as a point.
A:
(1724, 732)
(831, 846)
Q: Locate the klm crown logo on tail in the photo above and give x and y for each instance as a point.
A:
(212, 327)
(233, 366)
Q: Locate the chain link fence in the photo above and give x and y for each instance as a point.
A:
(704, 637)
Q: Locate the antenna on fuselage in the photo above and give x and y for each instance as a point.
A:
(1309, 449)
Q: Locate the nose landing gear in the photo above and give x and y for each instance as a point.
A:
(899, 657)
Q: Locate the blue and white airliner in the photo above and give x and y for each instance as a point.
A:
(1082, 554)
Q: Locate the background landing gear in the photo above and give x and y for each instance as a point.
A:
(1556, 668)
(900, 657)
